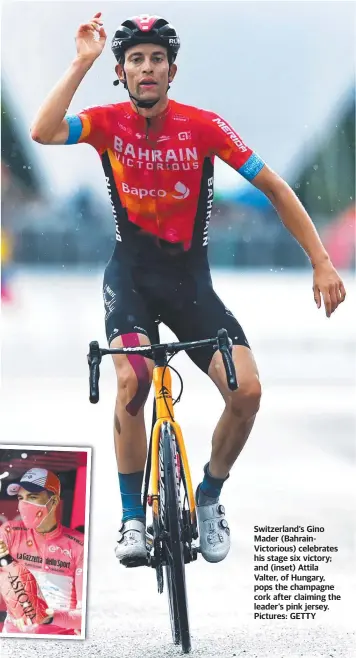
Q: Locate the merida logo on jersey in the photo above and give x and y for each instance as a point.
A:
(155, 159)
(234, 138)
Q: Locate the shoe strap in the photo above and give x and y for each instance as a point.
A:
(132, 524)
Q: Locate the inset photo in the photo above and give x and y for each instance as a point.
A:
(44, 530)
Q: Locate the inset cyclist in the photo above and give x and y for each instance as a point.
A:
(51, 552)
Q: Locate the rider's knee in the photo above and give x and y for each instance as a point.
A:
(245, 402)
(133, 382)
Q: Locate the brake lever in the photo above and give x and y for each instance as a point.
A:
(225, 345)
(94, 359)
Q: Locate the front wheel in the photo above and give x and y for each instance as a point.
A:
(171, 517)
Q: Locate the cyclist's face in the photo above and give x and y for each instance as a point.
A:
(147, 71)
(39, 498)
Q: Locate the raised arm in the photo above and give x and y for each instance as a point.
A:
(49, 125)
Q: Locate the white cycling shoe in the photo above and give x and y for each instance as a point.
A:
(214, 531)
(131, 543)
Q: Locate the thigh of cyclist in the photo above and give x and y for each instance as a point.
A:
(129, 317)
(196, 312)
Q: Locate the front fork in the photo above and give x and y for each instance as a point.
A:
(189, 531)
(164, 412)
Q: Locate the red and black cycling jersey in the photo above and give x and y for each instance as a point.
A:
(159, 171)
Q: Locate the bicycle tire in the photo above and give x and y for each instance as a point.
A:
(172, 599)
(172, 521)
(173, 607)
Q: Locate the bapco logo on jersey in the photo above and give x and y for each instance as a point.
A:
(182, 191)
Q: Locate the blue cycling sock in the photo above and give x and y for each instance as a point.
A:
(130, 489)
(210, 488)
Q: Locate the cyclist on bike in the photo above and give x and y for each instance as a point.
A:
(158, 158)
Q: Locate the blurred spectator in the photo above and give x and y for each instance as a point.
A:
(339, 239)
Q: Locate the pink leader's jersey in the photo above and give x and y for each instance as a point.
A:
(56, 561)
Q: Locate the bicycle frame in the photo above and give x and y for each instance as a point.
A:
(162, 382)
(163, 400)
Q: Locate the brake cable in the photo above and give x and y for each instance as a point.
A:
(181, 384)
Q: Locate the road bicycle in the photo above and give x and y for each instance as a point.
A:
(168, 488)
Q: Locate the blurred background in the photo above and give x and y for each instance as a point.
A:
(283, 74)
(71, 469)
